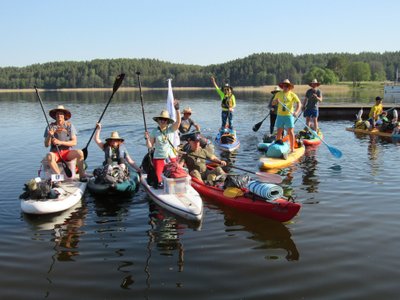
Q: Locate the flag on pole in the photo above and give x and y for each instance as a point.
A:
(171, 111)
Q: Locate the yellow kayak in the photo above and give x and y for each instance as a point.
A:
(370, 132)
(267, 163)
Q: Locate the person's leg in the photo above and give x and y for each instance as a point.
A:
(159, 167)
(272, 119)
(291, 138)
(230, 117)
(78, 155)
(224, 116)
(52, 159)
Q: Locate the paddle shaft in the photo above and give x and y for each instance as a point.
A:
(141, 100)
(117, 84)
(271, 177)
(65, 166)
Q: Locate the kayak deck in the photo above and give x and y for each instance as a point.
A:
(266, 163)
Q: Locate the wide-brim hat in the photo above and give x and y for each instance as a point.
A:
(67, 113)
(115, 136)
(276, 89)
(314, 82)
(164, 115)
(286, 81)
(187, 110)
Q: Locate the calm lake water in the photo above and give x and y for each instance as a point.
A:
(344, 244)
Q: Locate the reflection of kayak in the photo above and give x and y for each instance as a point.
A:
(371, 132)
(315, 141)
(266, 163)
(230, 136)
(126, 188)
(178, 197)
(71, 192)
(279, 209)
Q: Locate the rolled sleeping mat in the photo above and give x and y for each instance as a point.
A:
(265, 190)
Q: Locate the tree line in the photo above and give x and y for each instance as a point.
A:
(254, 70)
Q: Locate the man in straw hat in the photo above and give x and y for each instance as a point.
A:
(273, 110)
(161, 140)
(285, 117)
(63, 134)
(114, 150)
(187, 123)
(311, 104)
(228, 103)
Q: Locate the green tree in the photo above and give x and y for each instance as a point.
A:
(358, 71)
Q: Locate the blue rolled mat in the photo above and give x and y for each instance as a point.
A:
(268, 191)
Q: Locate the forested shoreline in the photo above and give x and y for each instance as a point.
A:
(255, 70)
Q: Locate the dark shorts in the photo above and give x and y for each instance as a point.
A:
(311, 113)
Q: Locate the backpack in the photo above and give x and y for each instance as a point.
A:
(174, 170)
(148, 168)
(111, 174)
(237, 181)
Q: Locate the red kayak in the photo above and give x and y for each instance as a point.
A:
(279, 209)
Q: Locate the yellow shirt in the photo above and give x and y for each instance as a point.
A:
(289, 99)
(375, 111)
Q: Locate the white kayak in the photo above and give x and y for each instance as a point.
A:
(70, 193)
(178, 197)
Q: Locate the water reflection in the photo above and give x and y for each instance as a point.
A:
(270, 235)
(309, 165)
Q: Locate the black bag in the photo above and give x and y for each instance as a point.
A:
(238, 181)
(148, 168)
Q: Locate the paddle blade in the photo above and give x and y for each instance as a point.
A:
(66, 169)
(257, 126)
(335, 152)
(85, 153)
(270, 178)
(118, 82)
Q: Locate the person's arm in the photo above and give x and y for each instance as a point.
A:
(71, 143)
(48, 136)
(97, 137)
(149, 140)
(218, 161)
(233, 103)
(220, 93)
(175, 126)
(132, 163)
(298, 108)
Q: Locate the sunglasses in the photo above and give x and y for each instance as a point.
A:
(186, 113)
(162, 120)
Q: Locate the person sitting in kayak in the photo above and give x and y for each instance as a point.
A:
(228, 103)
(375, 112)
(195, 160)
(62, 133)
(187, 123)
(114, 150)
(161, 140)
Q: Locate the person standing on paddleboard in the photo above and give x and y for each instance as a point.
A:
(311, 104)
(286, 100)
(63, 134)
(228, 103)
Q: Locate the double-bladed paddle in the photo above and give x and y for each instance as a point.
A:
(334, 151)
(64, 164)
(117, 84)
(265, 177)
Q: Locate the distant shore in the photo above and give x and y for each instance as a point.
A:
(262, 89)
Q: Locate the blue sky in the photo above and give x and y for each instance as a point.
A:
(199, 32)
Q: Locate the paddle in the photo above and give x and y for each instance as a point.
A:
(271, 178)
(258, 125)
(334, 151)
(141, 100)
(117, 84)
(64, 164)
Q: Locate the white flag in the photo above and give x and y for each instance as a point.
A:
(172, 113)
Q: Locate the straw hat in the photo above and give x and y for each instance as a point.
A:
(115, 136)
(187, 110)
(164, 115)
(276, 89)
(314, 82)
(286, 81)
(67, 113)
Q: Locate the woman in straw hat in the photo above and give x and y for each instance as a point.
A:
(115, 151)
(273, 110)
(286, 101)
(311, 104)
(63, 134)
(161, 140)
(187, 123)
(228, 103)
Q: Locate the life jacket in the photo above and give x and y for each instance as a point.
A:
(226, 102)
(114, 155)
(62, 133)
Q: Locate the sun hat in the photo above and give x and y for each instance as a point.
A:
(187, 110)
(164, 115)
(276, 89)
(67, 113)
(114, 136)
(286, 81)
(314, 82)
